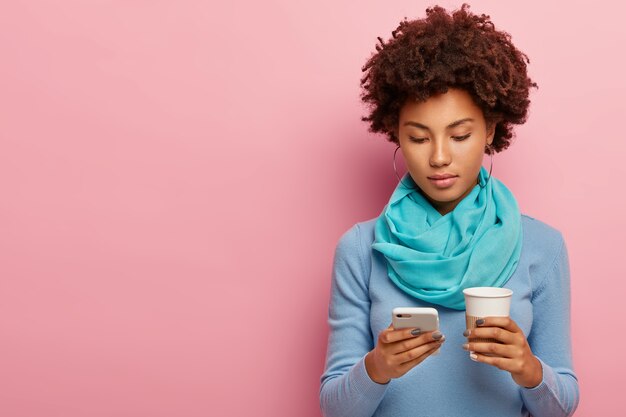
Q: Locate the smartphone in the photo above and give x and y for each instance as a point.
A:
(424, 318)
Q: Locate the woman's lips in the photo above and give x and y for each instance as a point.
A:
(443, 182)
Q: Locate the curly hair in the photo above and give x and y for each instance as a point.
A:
(428, 56)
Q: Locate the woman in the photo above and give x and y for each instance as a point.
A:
(447, 89)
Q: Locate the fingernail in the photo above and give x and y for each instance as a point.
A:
(416, 332)
(480, 322)
(465, 346)
(443, 339)
(437, 335)
(473, 357)
(466, 333)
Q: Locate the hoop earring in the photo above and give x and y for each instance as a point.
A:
(395, 170)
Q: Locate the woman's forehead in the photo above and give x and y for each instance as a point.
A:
(447, 110)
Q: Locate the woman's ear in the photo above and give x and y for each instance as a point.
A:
(491, 131)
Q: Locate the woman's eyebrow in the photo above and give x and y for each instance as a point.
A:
(459, 122)
(450, 126)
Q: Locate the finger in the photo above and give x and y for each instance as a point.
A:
(422, 352)
(497, 349)
(408, 344)
(391, 335)
(498, 333)
(504, 364)
(407, 366)
(506, 323)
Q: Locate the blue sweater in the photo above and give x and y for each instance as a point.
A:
(449, 384)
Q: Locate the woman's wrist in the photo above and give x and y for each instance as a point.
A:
(532, 377)
(372, 370)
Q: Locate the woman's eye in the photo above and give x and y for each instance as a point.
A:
(417, 140)
(460, 138)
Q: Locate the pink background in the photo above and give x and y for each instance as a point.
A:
(174, 177)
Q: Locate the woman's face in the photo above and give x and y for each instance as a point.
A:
(443, 141)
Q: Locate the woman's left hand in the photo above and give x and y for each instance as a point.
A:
(512, 354)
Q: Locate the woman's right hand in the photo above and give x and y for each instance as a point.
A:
(398, 351)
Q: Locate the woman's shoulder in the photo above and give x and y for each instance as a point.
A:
(354, 247)
(540, 236)
(543, 248)
(544, 254)
(361, 232)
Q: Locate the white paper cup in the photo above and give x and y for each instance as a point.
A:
(483, 302)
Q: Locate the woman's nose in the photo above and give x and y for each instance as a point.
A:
(440, 155)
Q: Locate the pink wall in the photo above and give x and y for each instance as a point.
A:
(174, 177)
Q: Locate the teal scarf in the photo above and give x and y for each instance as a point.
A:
(434, 257)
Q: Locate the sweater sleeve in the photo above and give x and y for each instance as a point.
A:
(557, 395)
(346, 388)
